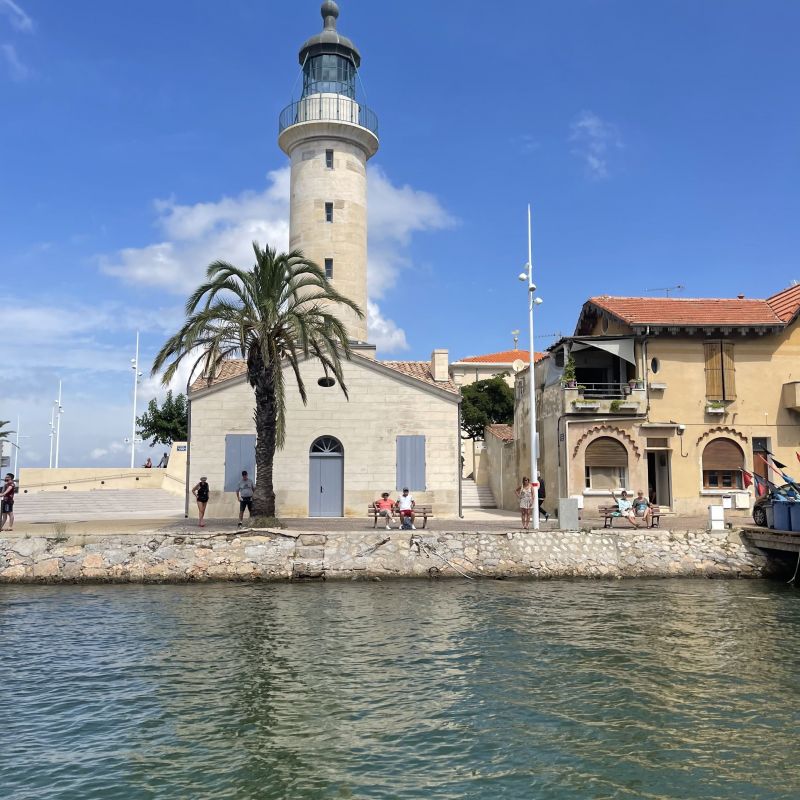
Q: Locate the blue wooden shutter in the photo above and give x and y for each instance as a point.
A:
(240, 454)
(411, 463)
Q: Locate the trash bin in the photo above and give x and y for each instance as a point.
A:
(794, 515)
(770, 515)
(780, 510)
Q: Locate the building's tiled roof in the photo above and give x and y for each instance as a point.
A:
(233, 368)
(786, 303)
(504, 432)
(421, 370)
(505, 357)
(681, 312)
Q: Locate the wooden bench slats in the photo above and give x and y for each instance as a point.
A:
(610, 513)
(419, 511)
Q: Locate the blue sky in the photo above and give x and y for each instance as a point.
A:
(658, 143)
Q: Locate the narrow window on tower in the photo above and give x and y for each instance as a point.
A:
(328, 212)
(329, 268)
(329, 159)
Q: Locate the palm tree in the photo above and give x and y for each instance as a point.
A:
(4, 434)
(272, 316)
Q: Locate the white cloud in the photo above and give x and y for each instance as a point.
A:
(102, 452)
(19, 19)
(195, 235)
(594, 141)
(384, 333)
(16, 69)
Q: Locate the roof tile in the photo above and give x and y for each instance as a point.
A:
(679, 311)
(504, 432)
(504, 357)
(786, 304)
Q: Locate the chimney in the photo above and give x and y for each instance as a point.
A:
(440, 368)
(740, 297)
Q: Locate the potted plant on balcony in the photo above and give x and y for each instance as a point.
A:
(569, 378)
(715, 407)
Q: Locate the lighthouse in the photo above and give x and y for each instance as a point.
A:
(329, 135)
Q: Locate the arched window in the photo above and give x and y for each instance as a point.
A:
(327, 446)
(606, 464)
(723, 462)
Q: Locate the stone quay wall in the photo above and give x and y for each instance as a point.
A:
(169, 557)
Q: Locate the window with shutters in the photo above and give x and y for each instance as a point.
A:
(720, 371)
(240, 454)
(723, 462)
(411, 463)
(606, 463)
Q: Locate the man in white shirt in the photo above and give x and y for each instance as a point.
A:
(405, 505)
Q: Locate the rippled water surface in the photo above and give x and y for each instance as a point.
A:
(637, 689)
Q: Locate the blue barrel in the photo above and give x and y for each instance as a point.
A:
(782, 515)
(794, 515)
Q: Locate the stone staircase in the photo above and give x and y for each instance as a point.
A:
(101, 504)
(474, 496)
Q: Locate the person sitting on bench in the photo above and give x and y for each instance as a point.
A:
(385, 507)
(641, 508)
(625, 508)
(405, 505)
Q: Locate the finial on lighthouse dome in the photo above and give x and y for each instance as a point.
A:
(330, 13)
(330, 41)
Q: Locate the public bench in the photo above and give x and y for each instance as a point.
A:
(610, 513)
(420, 512)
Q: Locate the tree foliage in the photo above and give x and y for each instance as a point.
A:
(273, 316)
(4, 434)
(165, 424)
(485, 403)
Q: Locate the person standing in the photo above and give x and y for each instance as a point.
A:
(244, 494)
(7, 502)
(164, 461)
(525, 495)
(201, 493)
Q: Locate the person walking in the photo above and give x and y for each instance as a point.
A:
(525, 494)
(7, 502)
(542, 495)
(201, 493)
(244, 494)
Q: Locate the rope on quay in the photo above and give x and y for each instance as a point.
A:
(432, 551)
(797, 567)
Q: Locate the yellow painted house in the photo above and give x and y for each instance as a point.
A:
(673, 396)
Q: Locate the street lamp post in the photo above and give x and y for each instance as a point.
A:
(532, 301)
(59, 411)
(136, 376)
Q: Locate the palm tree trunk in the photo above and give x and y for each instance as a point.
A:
(263, 382)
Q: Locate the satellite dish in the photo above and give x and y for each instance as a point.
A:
(518, 365)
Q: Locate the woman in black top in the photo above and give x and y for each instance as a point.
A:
(201, 493)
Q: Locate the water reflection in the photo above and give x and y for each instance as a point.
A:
(645, 689)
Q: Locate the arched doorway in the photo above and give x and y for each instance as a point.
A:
(326, 478)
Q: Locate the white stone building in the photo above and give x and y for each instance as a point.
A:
(400, 426)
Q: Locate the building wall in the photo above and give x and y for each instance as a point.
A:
(345, 239)
(763, 364)
(473, 452)
(381, 407)
(502, 477)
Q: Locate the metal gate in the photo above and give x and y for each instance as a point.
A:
(326, 478)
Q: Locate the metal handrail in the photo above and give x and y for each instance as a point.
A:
(328, 108)
(604, 391)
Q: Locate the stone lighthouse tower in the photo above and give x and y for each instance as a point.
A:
(329, 135)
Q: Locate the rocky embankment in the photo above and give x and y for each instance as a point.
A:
(164, 556)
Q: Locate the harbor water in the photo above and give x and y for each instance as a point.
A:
(564, 689)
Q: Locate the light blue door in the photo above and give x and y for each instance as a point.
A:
(326, 478)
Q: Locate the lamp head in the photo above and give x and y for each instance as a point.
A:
(538, 301)
(523, 276)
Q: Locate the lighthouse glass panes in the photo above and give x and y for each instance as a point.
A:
(329, 74)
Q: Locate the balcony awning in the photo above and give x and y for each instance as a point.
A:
(622, 348)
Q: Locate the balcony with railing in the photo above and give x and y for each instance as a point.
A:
(605, 398)
(328, 107)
